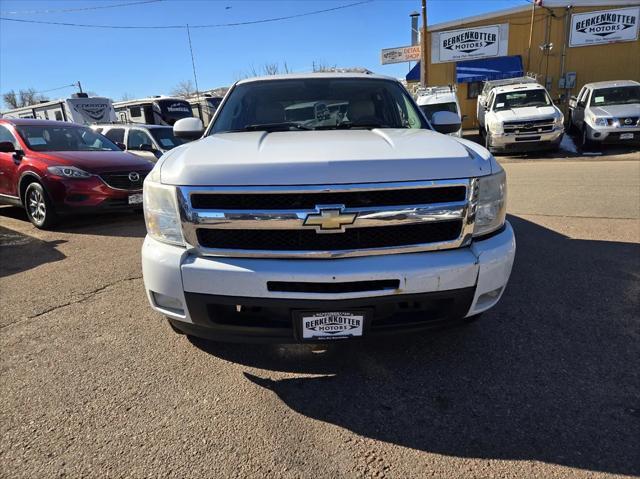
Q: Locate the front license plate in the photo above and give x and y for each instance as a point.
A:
(332, 325)
(626, 136)
(135, 199)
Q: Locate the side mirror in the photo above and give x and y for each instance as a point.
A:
(445, 122)
(7, 147)
(188, 128)
(122, 146)
(146, 147)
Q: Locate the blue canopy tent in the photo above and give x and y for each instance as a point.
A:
(480, 70)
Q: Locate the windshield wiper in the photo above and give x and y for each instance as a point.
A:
(285, 125)
(348, 126)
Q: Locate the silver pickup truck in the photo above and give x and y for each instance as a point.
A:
(606, 112)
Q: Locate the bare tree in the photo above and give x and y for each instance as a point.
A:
(126, 97)
(322, 67)
(184, 89)
(24, 97)
(269, 68)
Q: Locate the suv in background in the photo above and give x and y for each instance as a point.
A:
(148, 141)
(439, 98)
(517, 114)
(354, 219)
(52, 168)
(606, 112)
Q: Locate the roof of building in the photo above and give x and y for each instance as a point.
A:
(527, 8)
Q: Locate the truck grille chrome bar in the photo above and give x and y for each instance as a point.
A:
(327, 230)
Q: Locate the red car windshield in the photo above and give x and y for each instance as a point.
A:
(64, 138)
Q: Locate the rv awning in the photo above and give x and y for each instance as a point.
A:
(489, 69)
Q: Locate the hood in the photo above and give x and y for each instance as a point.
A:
(527, 113)
(320, 157)
(616, 111)
(95, 161)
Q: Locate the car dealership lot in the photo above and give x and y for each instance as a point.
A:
(545, 385)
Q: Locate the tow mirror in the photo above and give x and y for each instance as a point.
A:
(188, 128)
(445, 122)
(7, 147)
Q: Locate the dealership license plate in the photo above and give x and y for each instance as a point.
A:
(135, 199)
(332, 325)
(626, 136)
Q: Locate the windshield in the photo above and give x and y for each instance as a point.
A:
(429, 110)
(317, 104)
(622, 95)
(520, 99)
(64, 138)
(165, 138)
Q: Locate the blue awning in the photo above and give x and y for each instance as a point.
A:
(489, 69)
(414, 73)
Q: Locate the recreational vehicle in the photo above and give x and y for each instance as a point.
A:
(153, 111)
(205, 106)
(80, 108)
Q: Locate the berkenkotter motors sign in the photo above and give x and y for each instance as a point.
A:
(604, 26)
(469, 43)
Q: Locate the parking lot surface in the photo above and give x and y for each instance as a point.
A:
(545, 385)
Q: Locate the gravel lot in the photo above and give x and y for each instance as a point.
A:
(545, 385)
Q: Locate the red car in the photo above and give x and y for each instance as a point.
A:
(53, 168)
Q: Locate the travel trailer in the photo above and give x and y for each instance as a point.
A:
(205, 106)
(80, 108)
(156, 110)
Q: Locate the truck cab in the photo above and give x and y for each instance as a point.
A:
(518, 115)
(323, 207)
(606, 112)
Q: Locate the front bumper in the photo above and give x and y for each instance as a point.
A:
(87, 195)
(525, 142)
(613, 135)
(229, 299)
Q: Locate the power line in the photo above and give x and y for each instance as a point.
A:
(58, 88)
(218, 25)
(67, 10)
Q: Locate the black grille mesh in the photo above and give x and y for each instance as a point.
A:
(309, 240)
(351, 199)
(120, 180)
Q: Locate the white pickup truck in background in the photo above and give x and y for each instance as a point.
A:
(517, 115)
(350, 222)
(606, 112)
(439, 98)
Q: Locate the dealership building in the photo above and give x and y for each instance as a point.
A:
(570, 44)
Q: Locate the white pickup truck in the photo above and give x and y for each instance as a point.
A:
(352, 223)
(517, 115)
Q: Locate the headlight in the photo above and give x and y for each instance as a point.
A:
(602, 121)
(68, 172)
(161, 213)
(491, 207)
(559, 121)
(495, 126)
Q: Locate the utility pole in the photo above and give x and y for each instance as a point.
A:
(533, 13)
(424, 61)
(193, 63)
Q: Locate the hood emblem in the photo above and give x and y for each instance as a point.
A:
(628, 121)
(330, 219)
(134, 177)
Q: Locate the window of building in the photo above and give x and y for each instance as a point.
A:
(116, 135)
(473, 89)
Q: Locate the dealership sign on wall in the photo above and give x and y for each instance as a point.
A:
(604, 26)
(469, 43)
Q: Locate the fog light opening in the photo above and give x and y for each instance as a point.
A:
(488, 299)
(169, 303)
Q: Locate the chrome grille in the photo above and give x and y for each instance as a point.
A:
(529, 127)
(121, 180)
(273, 221)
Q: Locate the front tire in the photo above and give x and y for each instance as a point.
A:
(38, 206)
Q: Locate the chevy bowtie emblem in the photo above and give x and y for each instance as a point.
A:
(330, 219)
